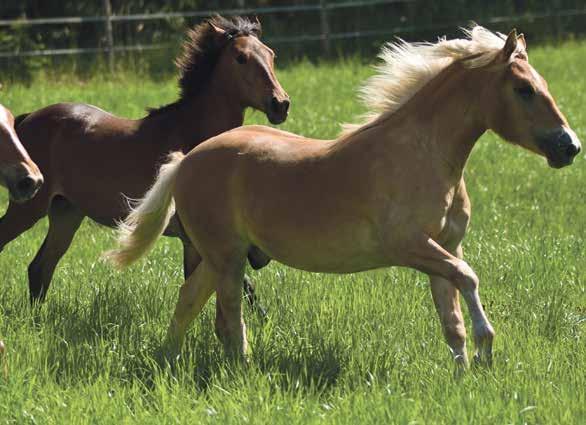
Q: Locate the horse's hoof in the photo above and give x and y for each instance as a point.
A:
(483, 361)
(168, 354)
(239, 360)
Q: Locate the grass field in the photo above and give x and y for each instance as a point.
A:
(364, 348)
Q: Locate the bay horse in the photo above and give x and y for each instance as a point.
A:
(389, 192)
(93, 161)
(18, 173)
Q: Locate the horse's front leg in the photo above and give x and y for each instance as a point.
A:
(429, 257)
(483, 330)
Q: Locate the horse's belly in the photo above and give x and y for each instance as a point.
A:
(322, 261)
(327, 250)
(350, 264)
(101, 188)
(103, 201)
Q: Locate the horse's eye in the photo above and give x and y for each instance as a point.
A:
(241, 59)
(525, 92)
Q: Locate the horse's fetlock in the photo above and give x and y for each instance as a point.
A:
(486, 333)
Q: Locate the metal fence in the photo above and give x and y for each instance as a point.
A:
(321, 7)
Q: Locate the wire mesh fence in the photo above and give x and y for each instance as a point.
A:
(122, 34)
(110, 40)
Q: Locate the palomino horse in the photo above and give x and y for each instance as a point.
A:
(92, 160)
(387, 193)
(18, 173)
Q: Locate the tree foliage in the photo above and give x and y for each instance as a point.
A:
(418, 19)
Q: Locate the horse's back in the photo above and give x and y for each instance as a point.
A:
(263, 129)
(261, 143)
(70, 117)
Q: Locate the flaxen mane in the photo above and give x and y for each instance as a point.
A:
(407, 67)
(201, 50)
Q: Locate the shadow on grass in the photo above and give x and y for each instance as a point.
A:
(113, 339)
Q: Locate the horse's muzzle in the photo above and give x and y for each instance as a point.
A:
(560, 147)
(278, 110)
(23, 184)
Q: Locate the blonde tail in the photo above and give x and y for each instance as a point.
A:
(148, 219)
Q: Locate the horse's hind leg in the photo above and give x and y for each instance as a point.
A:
(64, 221)
(230, 326)
(447, 304)
(193, 295)
(191, 259)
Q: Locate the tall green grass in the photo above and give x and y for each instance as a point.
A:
(363, 348)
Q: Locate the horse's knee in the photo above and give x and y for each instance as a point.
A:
(464, 277)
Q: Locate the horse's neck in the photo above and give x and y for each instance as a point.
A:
(442, 120)
(197, 119)
(454, 107)
(209, 115)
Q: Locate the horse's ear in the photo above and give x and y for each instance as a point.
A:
(219, 31)
(521, 39)
(510, 46)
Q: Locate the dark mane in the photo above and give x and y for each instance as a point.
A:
(200, 52)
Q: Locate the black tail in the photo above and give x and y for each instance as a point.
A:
(20, 119)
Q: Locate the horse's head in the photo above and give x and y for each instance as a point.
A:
(18, 173)
(522, 109)
(248, 65)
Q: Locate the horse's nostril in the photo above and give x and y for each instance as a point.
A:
(572, 150)
(278, 106)
(275, 104)
(26, 185)
(286, 103)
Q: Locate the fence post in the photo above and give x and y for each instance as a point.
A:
(325, 26)
(109, 35)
